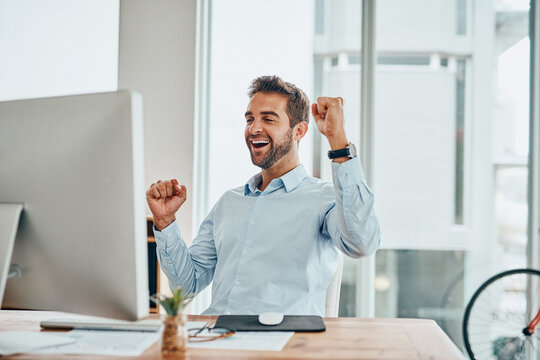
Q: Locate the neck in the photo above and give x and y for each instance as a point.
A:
(280, 168)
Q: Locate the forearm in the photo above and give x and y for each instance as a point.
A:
(177, 262)
(355, 228)
(338, 141)
(161, 223)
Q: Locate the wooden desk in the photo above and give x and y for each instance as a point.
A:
(345, 338)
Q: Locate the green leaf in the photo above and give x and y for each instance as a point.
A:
(175, 304)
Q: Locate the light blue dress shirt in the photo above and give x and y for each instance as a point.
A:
(275, 250)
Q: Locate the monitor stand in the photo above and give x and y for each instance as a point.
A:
(9, 221)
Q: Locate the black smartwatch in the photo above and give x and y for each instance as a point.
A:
(349, 151)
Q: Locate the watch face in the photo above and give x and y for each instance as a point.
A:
(352, 150)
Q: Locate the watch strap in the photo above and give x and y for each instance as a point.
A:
(349, 151)
(334, 154)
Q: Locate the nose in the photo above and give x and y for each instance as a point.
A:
(255, 127)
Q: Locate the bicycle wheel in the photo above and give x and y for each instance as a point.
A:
(497, 315)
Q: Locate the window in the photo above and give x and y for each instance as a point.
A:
(315, 51)
(461, 17)
(451, 145)
(239, 50)
(340, 76)
(319, 17)
(446, 153)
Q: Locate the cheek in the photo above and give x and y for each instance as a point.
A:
(280, 136)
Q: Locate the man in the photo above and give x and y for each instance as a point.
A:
(272, 245)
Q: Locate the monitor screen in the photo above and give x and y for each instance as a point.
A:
(76, 165)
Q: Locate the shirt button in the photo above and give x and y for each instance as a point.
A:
(228, 313)
(169, 235)
(262, 196)
(237, 282)
(252, 222)
(244, 252)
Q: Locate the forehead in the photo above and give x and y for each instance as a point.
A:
(261, 102)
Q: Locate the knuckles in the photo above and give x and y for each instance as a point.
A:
(162, 189)
(329, 101)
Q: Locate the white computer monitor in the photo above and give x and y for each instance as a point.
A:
(75, 163)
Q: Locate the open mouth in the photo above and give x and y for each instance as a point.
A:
(259, 144)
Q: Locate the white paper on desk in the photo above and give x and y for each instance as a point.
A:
(95, 342)
(245, 340)
(14, 342)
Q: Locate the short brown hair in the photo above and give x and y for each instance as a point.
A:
(298, 103)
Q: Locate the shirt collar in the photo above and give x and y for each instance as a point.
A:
(289, 180)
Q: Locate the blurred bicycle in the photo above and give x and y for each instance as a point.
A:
(501, 317)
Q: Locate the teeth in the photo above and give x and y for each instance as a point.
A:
(260, 141)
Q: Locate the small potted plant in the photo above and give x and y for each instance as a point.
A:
(174, 338)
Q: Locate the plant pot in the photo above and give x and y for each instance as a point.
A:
(174, 337)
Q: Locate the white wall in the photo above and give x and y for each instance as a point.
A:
(62, 47)
(157, 58)
(57, 47)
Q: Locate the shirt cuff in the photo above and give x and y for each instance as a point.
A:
(348, 173)
(168, 237)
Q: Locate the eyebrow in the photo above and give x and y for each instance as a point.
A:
(248, 113)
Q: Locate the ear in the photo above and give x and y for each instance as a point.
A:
(300, 130)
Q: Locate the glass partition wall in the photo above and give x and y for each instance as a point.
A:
(449, 134)
(450, 154)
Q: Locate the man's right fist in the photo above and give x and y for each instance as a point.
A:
(164, 199)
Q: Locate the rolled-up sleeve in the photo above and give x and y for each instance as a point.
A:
(351, 221)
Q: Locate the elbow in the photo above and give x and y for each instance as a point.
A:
(363, 234)
(362, 246)
(176, 283)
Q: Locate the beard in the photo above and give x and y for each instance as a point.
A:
(276, 152)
